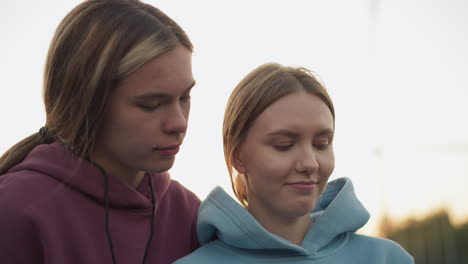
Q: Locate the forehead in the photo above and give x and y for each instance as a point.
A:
(170, 72)
(295, 111)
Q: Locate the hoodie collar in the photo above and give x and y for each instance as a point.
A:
(338, 211)
(58, 163)
(222, 217)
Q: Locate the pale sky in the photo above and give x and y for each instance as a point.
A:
(397, 71)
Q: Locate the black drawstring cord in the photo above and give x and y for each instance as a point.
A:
(106, 208)
(153, 209)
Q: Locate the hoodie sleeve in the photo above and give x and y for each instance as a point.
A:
(400, 255)
(19, 240)
(388, 251)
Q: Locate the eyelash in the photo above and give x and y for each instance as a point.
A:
(322, 146)
(288, 147)
(185, 98)
(149, 108)
(283, 147)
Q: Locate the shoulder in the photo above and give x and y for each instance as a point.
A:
(24, 187)
(171, 191)
(386, 249)
(177, 196)
(24, 177)
(17, 226)
(376, 242)
(22, 196)
(181, 193)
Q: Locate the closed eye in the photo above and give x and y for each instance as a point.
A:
(185, 98)
(149, 108)
(322, 146)
(283, 147)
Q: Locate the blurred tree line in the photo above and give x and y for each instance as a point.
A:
(430, 240)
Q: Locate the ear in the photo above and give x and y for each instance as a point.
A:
(238, 164)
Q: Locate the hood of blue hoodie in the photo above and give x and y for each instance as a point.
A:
(337, 213)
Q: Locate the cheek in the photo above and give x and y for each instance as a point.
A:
(327, 164)
(265, 180)
(266, 169)
(116, 116)
(121, 126)
(125, 126)
(261, 174)
(186, 109)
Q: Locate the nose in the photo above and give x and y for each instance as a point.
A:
(307, 162)
(176, 120)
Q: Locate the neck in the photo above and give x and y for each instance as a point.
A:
(292, 229)
(131, 179)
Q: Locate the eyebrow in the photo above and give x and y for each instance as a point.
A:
(284, 132)
(325, 132)
(152, 95)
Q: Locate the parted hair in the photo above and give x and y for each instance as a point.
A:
(255, 92)
(96, 45)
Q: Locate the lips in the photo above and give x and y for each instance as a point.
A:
(303, 185)
(168, 151)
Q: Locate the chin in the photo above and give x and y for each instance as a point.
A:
(161, 168)
(301, 209)
(296, 213)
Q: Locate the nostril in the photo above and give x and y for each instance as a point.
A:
(307, 166)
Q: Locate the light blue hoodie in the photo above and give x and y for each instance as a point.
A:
(331, 238)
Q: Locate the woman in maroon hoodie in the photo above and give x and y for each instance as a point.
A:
(91, 186)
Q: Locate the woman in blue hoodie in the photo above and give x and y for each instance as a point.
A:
(278, 144)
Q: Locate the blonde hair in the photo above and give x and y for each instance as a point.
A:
(96, 45)
(258, 90)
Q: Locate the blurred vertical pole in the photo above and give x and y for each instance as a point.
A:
(373, 14)
(385, 225)
(385, 222)
(449, 243)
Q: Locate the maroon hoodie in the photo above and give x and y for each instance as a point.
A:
(52, 211)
